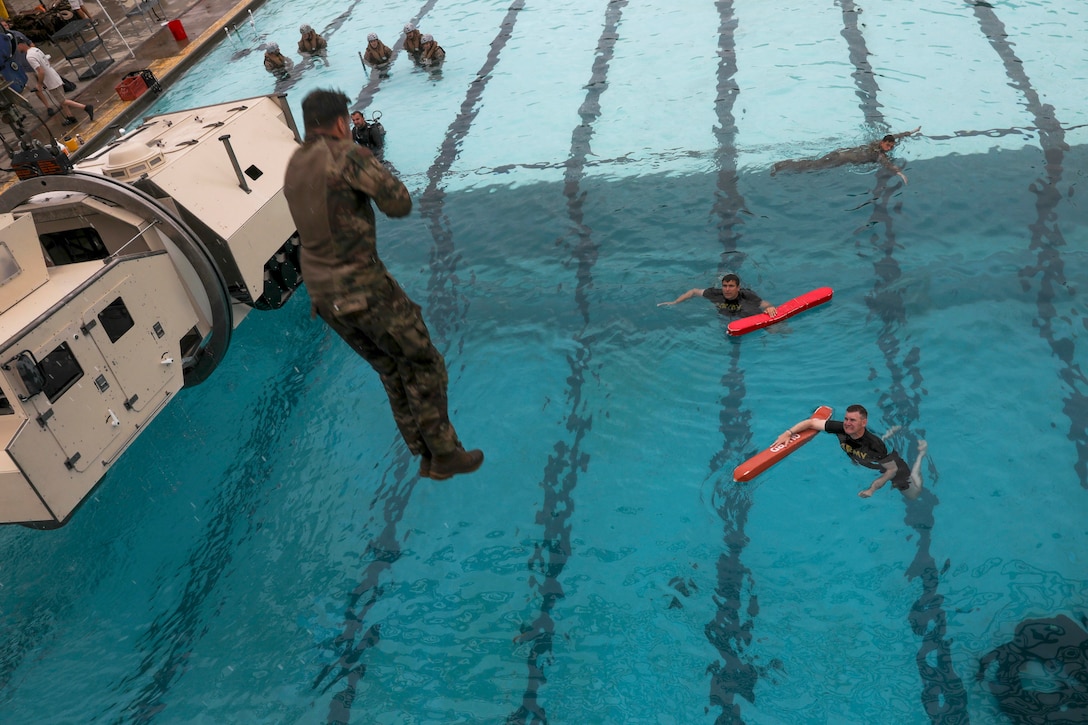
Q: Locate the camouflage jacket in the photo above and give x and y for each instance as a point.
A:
(329, 186)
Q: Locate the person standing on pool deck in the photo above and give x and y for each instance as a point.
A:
(730, 299)
(871, 153)
(866, 449)
(330, 182)
(50, 88)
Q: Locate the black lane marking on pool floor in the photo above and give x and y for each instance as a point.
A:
(170, 639)
(382, 551)
(448, 306)
(552, 551)
(736, 604)
(943, 695)
(1047, 238)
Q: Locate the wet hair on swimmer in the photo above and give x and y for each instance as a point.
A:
(322, 107)
(730, 278)
(888, 139)
(855, 408)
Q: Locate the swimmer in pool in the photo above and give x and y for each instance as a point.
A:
(730, 299)
(871, 153)
(865, 449)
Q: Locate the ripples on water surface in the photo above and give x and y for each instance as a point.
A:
(209, 577)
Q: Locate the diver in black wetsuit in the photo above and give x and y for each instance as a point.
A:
(871, 153)
(370, 135)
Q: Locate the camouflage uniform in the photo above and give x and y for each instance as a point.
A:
(377, 55)
(432, 54)
(311, 42)
(413, 43)
(329, 185)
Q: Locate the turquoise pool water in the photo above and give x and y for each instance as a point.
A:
(266, 553)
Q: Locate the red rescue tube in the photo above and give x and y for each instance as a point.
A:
(763, 460)
(785, 310)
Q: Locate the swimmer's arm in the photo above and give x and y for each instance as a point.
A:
(768, 308)
(697, 292)
(890, 469)
(887, 164)
(905, 134)
(806, 424)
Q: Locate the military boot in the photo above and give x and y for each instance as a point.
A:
(460, 461)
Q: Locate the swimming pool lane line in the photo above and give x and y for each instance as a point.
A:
(736, 606)
(382, 551)
(448, 307)
(171, 637)
(1046, 235)
(943, 695)
(568, 460)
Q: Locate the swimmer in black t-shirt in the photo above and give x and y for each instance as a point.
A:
(866, 449)
(730, 299)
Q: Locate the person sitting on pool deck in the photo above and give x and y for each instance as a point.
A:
(377, 53)
(866, 449)
(871, 153)
(730, 299)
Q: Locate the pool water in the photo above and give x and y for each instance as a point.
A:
(266, 553)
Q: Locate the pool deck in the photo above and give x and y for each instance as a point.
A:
(153, 46)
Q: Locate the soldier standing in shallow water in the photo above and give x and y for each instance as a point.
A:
(413, 40)
(377, 54)
(329, 184)
(431, 54)
(310, 42)
(276, 62)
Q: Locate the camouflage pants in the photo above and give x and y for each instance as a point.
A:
(390, 335)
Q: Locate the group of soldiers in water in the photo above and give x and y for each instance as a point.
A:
(422, 47)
